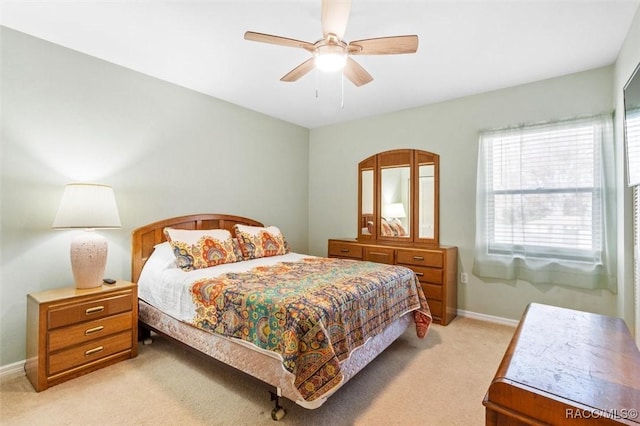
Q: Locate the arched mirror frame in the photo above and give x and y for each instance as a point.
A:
(369, 228)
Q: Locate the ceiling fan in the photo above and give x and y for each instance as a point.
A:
(332, 53)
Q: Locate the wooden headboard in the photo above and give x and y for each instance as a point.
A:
(143, 239)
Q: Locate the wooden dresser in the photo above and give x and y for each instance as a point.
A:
(436, 268)
(72, 331)
(566, 367)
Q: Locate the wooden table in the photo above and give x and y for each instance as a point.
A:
(566, 367)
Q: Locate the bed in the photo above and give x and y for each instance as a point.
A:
(307, 368)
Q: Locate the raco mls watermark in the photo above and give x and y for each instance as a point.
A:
(614, 413)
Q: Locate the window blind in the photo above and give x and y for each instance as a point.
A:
(543, 196)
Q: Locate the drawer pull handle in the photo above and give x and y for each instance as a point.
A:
(420, 274)
(377, 253)
(94, 330)
(418, 258)
(94, 310)
(93, 351)
(344, 250)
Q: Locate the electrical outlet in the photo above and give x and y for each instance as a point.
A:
(464, 278)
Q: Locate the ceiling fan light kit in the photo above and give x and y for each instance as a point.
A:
(332, 53)
(330, 56)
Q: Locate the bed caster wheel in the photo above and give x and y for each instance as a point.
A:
(278, 413)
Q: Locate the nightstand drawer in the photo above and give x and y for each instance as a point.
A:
(345, 250)
(379, 255)
(61, 338)
(433, 259)
(92, 309)
(91, 351)
(427, 275)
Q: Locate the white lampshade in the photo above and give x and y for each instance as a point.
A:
(394, 211)
(88, 206)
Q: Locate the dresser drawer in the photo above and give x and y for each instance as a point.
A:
(436, 308)
(68, 336)
(90, 351)
(340, 249)
(427, 275)
(430, 258)
(379, 255)
(432, 292)
(92, 309)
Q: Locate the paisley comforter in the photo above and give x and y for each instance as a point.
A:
(312, 312)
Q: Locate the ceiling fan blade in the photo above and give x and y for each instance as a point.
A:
(282, 41)
(385, 45)
(354, 72)
(299, 71)
(335, 15)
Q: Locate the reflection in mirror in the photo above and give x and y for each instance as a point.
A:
(426, 182)
(632, 127)
(366, 215)
(396, 205)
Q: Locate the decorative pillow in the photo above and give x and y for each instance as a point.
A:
(386, 230)
(397, 228)
(236, 249)
(198, 249)
(256, 241)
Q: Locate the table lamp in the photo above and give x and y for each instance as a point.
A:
(394, 211)
(88, 206)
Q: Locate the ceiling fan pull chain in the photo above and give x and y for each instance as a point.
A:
(316, 83)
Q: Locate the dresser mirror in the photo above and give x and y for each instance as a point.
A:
(398, 197)
(426, 193)
(395, 219)
(632, 127)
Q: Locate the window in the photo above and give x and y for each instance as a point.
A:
(543, 205)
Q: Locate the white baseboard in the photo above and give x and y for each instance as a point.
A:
(15, 369)
(488, 318)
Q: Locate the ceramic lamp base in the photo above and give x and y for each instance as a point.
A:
(88, 259)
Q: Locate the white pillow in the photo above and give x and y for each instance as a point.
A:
(162, 257)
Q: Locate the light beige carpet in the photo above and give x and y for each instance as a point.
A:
(439, 380)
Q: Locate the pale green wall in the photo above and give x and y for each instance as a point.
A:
(451, 130)
(627, 61)
(68, 117)
(166, 151)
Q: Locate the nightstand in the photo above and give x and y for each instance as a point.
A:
(73, 331)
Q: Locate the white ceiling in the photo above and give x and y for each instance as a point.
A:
(466, 47)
